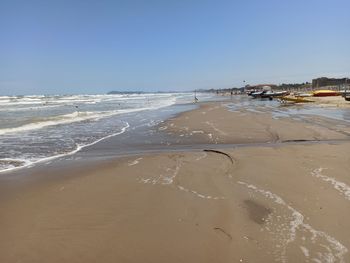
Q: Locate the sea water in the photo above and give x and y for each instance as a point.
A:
(37, 128)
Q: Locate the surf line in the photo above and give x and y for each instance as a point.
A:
(79, 147)
(341, 187)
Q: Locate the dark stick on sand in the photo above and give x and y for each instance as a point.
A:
(219, 152)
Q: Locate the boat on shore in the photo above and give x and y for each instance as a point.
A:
(325, 93)
(268, 94)
(300, 94)
(346, 96)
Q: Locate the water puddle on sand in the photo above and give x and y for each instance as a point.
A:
(287, 227)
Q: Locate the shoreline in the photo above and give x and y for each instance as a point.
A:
(258, 198)
(79, 148)
(330, 104)
(195, 143)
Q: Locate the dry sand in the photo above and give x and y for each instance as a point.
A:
(335, 101)
(283, 203)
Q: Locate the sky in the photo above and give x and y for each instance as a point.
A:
(72, 47)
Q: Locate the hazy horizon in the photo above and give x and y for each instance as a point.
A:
(88, 47)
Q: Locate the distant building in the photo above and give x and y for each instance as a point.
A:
(324, 82)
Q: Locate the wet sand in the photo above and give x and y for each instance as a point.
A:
(212, 123)
(276, 202)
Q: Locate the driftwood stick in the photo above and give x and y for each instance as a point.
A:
(220, 152)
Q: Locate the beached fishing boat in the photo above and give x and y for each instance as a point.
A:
(299, 94)
(256, 94)
(325, 93)
(274, 94)
(268, 94)
(346, 96)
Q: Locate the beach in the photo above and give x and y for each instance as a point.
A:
(335, 101)
(226, 182)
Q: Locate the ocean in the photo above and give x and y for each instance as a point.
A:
(40, 128)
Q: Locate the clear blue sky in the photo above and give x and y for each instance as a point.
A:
(55, 47)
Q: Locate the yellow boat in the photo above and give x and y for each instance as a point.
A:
(325, 93)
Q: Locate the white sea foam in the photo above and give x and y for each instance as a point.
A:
(66, 119)
(51, 121)
(36, 108)
(14, 163)
(305, 251)
(197, 131)
(203, 155)
(199, 195)
(341, 187)
(333, 250)
(215, 128)
(134, 162)
(166, 177)
(32, 127)
(41, 101)
(28, 163)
